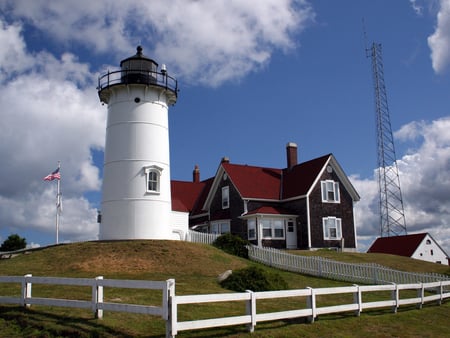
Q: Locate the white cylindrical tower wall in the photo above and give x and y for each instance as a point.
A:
(136, 150)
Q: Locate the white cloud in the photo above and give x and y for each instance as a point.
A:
(202, 41)
(50, 112)
(424, 180)
(439, 41)
(416, 7)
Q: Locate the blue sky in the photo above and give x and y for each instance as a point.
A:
(253, 75)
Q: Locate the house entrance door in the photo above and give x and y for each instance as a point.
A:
(291, 235)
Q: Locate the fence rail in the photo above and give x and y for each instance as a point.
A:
(426, 292)
(97, 303)
(392, 296)
(350, 272)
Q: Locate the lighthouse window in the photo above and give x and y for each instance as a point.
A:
(152, 181)
(153, 174)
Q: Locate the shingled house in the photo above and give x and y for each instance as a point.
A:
(306, 205)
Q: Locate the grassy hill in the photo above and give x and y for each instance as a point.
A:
(195, 268)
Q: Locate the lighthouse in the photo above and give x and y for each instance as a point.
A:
(136, 197)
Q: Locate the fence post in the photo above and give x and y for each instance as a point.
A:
(250, 309)
(311, 304)
(395, 297)
(172, 321)
(420, 294)
(26, 290)
(440, 290)
(97, 297)
(169, 308)
(357, 299)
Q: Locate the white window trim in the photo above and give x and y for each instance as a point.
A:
(272, 228)
(337, 225)
(219, 225)
(158, 171)
(255, 228)
(225, 197)
(325, 191)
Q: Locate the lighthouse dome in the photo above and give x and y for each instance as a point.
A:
(138, 68)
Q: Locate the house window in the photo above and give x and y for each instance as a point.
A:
(272, 228)
(251, 229)
(428, 241)
(330, 191)
(225, 197)
(332, 228)
(290, 226)
(153, 174)
(220, 227)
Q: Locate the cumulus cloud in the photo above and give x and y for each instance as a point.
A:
(50, 112)
(439, 41)
(206, 42)
(50, 108)
(424, 181)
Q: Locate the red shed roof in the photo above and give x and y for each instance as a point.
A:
(404, 245)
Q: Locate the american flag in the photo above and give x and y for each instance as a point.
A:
(55, 175)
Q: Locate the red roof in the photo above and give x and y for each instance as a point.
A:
(255, 182)
(189, 196)
(267, 210)
(185, 194)
(404, 245)
(299, 179)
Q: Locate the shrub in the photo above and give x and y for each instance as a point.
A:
(13, 242)
(232, 244)
(255, 279)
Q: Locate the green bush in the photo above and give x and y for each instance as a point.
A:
(254, 279)
(232, 244)
(13, 242)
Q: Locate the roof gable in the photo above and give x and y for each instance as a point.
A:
(298, 180)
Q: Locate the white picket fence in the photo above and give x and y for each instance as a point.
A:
(391, 296)
(368, 273)
(201, 237)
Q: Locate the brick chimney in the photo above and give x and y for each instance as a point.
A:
(291, 154)
(196, 174)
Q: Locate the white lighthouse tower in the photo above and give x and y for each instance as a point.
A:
(136, 197)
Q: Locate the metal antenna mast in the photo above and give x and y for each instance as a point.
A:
(392, 216)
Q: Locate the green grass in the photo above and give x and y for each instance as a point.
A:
(195, 268)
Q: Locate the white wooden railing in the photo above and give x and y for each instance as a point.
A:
(388, 296)
(311, 309)
(96, 303)
(369, 273)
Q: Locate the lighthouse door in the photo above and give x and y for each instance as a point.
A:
(291, 234)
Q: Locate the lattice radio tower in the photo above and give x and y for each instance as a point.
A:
(392, 216)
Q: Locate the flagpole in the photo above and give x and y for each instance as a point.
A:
(58, 203)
